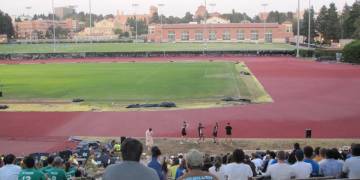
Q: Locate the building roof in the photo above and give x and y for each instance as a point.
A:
(229, 25)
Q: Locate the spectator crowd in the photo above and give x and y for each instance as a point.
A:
(126, 160)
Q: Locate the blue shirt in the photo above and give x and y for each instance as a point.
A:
(315, 167)
(179, 172)
(331, 167)
(154, 164)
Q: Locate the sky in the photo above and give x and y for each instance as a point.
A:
(171, 7)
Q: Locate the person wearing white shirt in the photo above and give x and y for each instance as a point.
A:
(218, 169)
(238, 170)
(281, 170)
(301, 169)
(9, 171)
(352, 165)
(257, 161)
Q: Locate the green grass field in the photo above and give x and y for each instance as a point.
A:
(129, 82)
(136, 47)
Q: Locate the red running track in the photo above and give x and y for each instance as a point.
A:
(323, 97)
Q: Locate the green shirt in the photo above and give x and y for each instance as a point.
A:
(45, 169)
(56, 174)
(31, 174)
(70, 173)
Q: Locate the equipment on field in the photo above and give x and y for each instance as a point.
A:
(3, 106)
(308, 133)
(1, 92)
(77, 100)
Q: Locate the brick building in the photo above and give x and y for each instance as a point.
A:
(230, 32)
(35, 28)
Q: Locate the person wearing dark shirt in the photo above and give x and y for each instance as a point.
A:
(183, 132)
(228, 130)
(201, 132)
(215, 132)
(292, 159)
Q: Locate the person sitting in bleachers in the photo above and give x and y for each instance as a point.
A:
(330, 166)
(218, 169)
(308, 152)
(194, 162)
(281, 170)
(9, 171)
(29, 172)
(154, 163)
(238, 170)
(57, 172)
(130, 168)
(352, 165)
(174, 165)
(302, 169)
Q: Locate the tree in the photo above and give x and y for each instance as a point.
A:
(351, 25)
(345, 33)
(304, 30)
(276, 17)
(257, 19)
(6, 26)
(60, 33)
(118, 32)
(236, 17)
(333, 24)
(187, 18)
(155, 19)
(142, 27)
(321, 21)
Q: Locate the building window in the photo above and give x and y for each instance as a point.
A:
(212, 36)
(226, 35)
(268, 36)
(254, 35)
(171, 36)
(185, 36)
(289, 29)
(199, 36)
(241, 35)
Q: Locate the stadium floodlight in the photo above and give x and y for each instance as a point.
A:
(309, 32)
(28, 8)
(53, 24)
(161, 20)
(90, 21)
(134, 5)
(298, 31)
(264, 16)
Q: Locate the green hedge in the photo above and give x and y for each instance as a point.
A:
(351, 52)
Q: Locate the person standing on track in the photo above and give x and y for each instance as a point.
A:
(228, 130)
(184, 132)
(201, 132)
(215, 132)
(149, 141)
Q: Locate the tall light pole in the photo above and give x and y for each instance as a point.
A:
(136, 24)
(298, 31)
(264, 22)
(205, 27)
(309, 32)
(161, 21)
(213, 7)
(90, 21)
(28, 8)
(53, 24)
